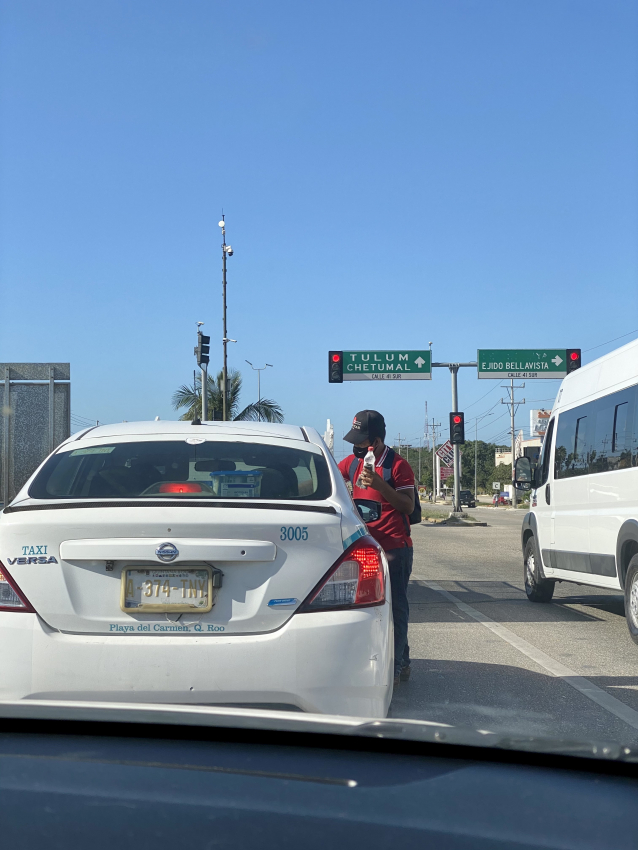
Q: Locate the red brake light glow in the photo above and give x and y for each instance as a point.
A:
(180, 487)
(356, 580)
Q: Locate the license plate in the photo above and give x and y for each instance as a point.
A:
(188, 589)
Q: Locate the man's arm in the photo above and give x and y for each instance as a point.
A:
(401, 500)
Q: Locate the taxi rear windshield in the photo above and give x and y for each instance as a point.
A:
(177, 469)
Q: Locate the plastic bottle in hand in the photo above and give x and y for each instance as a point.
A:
(368, 463)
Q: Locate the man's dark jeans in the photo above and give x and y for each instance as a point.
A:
(400, 564)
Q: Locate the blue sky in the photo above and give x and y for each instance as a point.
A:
(463, 172)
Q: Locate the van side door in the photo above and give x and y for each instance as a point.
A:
(543, 508)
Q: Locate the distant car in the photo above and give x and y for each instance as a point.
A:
(215, 563)
(467, 498)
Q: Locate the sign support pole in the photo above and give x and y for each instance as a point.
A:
(456, 506)
(454, 368)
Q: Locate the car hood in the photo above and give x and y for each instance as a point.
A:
(423, 731)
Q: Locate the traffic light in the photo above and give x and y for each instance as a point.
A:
(573, 359)
(457, 428)
(202, 348)
(335, 367)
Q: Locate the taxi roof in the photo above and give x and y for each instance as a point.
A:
(208, 429)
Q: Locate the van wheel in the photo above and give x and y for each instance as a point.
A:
(539, 589)
(631, 598)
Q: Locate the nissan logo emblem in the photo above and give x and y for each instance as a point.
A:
(167, 552)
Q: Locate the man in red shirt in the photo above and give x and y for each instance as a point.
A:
(391, 487)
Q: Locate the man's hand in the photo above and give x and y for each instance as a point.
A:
(402, 501)
(370, 478)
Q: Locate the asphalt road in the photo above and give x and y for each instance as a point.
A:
(485, 657)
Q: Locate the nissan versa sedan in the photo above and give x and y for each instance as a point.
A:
(221, 563)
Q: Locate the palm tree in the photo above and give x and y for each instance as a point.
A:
(191, 397)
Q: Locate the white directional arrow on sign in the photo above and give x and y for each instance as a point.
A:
(557, 360)
(419, 362)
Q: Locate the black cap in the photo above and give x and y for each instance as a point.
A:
(366, 425)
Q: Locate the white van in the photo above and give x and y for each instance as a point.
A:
(583, 522)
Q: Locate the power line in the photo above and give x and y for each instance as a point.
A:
(467, 407)
(600, 345)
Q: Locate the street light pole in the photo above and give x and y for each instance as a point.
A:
(259, 371)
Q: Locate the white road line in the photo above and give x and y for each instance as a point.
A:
(579, 683)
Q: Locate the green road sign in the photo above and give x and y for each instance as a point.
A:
(387, 366)
(527, 362)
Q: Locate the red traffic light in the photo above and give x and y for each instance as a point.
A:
(457, 428)
(335, 367)
(573, 360)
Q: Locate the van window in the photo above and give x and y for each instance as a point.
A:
(611, 448)
(546, 452)
(571, 454)
(599, 436)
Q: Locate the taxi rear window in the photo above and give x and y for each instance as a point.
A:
(177, 469)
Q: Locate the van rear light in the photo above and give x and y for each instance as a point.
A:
(11, 597)
(357, 580)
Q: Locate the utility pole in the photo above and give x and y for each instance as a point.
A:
(226, 251)
(513, 408)
(419, 460)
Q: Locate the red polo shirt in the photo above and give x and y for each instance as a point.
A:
(392, 530)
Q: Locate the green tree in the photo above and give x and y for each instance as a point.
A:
(412, 456)
(484, 467)
(265, 410)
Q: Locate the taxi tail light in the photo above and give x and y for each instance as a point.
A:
(357, 580)
(11, 597)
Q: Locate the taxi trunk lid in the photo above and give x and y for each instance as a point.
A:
(266, 559)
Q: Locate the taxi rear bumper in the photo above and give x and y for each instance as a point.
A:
(329, 662)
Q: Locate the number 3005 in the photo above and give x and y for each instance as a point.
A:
(294, 532)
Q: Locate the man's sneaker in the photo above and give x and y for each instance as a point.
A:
(397, 679)
(404, 675)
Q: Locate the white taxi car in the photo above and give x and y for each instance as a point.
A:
(222, 563)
